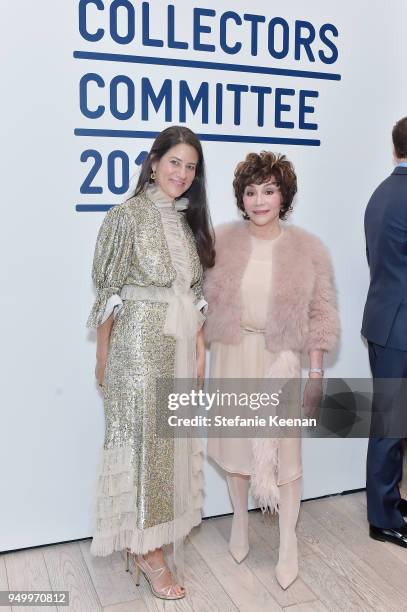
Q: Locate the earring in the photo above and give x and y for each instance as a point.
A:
(152, 175)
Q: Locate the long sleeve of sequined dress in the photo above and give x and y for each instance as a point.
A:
(111, 262)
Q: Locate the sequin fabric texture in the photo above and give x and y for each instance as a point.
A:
(135, 504)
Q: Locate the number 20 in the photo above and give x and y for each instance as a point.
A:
(88, 187)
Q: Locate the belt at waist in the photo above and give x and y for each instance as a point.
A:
(246, 329)
(150, 294)
(183, 318)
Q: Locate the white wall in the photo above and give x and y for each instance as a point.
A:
(52, 418)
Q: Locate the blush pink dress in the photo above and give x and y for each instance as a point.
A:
(251, 359)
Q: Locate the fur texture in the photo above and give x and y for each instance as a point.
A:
(302, 315)
(302, 308)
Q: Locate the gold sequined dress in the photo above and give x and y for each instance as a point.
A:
(147, 272)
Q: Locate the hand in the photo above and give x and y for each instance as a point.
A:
(102, 348)
(200, 359)
(312, 398)
(100, 370)
(200, 367)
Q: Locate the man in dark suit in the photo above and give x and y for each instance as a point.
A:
(385, 328)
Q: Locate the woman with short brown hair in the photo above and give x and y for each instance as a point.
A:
(271, 297)
(256, 168)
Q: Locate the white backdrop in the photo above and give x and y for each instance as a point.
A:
(52, 417)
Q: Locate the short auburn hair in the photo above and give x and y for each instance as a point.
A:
(400, 138)
(258, 168)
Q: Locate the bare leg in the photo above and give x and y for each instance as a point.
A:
(289, 506)
(239, 537)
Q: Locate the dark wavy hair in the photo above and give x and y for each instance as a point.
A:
(197, 213)
(259, 168)
(399, 135)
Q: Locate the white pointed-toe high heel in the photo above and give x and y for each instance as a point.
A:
(239, 535)
(287, 566)
(289, 505)
(239, 541)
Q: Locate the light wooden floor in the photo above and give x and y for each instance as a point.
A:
(341, 568)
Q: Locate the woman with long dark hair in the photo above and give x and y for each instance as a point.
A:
(148, 269)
